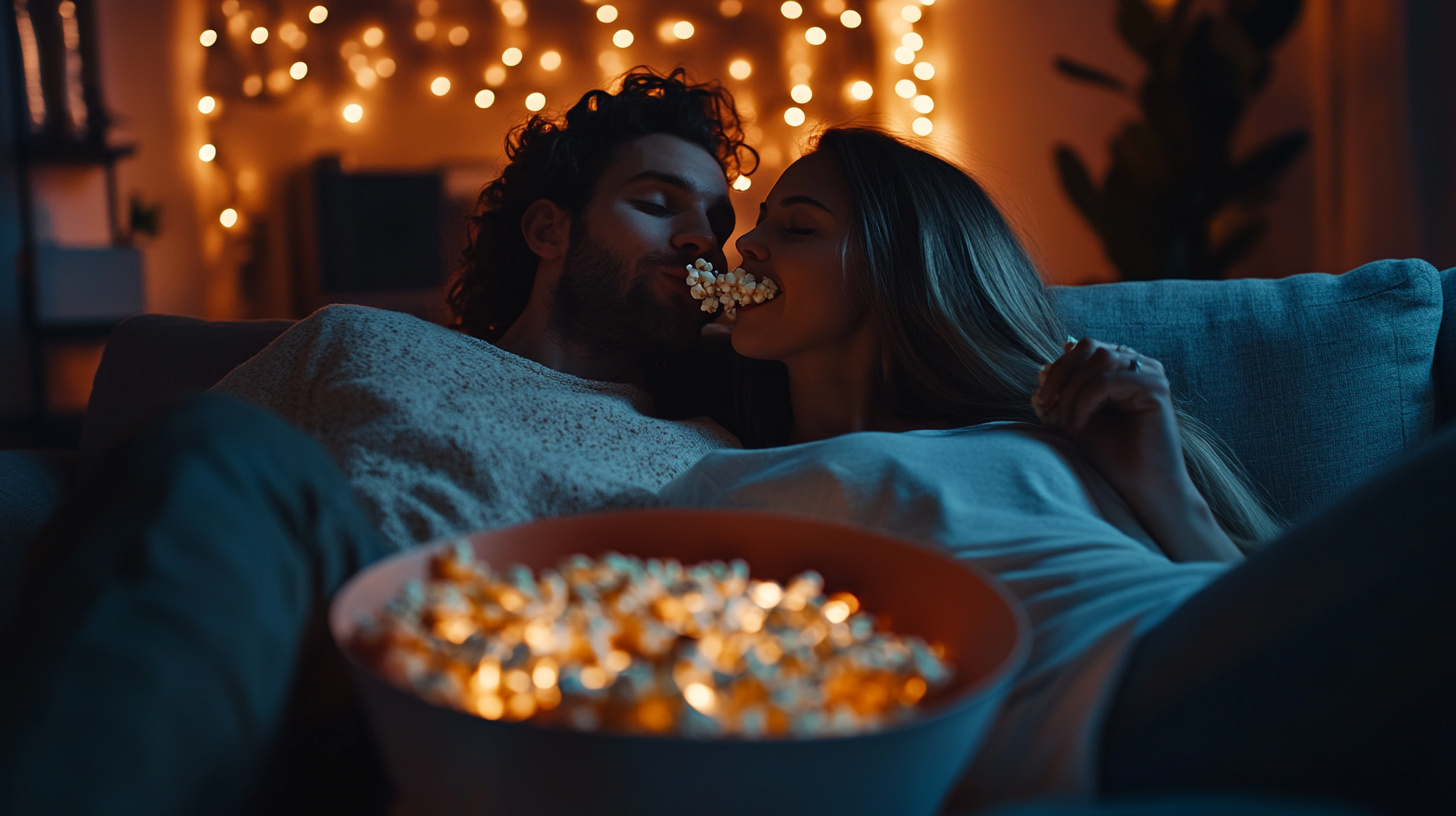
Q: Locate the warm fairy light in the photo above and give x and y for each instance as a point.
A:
(440, 86)
(260, 35)
(252, 85)
(366, 77)
(607, 14)
(622, 38)
(742, 183)
(544, 675)
(512, 56)
(593, 677)
(373, 36)
(298, 70)
(428, 8)
(207, 104)
(279, 81)
(425, 30)
(911, 14)
(682, 29)
(353, 112)
(208, 38)
(495, 75)
(740, 69)
(514, 11)
(290, 34)
(618, 660)
(927, 2)
(459, 35)
(924, 70)
(904, 55)
(730, 8)
(833, 7)
(767, 594)
(551, 60)
(485, 99)
(701, 697)
(535, 101)
(850, 19)
(230, 7)
(923, 104)
(358, 61)
(228, 217)
(922, 126)
(861, 90)
(801, 93)
(913, 41)
(384, 67)
(799, 73)
(815, 35)
(905, 88)
(318, 14)
(791, 10)
(207, 152)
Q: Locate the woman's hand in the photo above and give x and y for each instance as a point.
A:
(1115, 404)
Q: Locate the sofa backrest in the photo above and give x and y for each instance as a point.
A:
(1314, 381)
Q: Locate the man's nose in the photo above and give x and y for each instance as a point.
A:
(699, 240)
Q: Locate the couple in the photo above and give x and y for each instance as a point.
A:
(172, 620)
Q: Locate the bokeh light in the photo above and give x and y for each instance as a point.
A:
(905, 89)
(815, 36)
(373, 36)
(207, 152)
(318, 14)
(791, 10)
(209, 37)
(924, 70)
(607, 14)
(298, 70)
(535, 101)
(259, 35)
(740, 69)
(850, 19)
(622, 38)
(353, 112)
(801, 94)
(922, 126)
(228, 217)
(440, 86)
(861, 90)
(512, 56)
(794, 117)
(484, 99)
(551, 60)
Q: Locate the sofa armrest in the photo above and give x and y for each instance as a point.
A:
(32, 485)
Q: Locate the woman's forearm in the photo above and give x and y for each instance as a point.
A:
(1184, 526)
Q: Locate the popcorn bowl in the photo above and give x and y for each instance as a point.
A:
(445, 761)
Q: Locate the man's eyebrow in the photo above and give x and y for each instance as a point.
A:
(672, 179)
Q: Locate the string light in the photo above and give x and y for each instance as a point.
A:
(459, 35)
(850, 19)
(260, 35)
(740, 69)
(207, 152)
(551, 60)
(607, 14)
(923, 104)
(913, 41)
(905, 89)
(742, 183)
(833, 7)
(353, 112)
(512, 56)
(427, 8)
(373, 36)
(801, 94)
(924, 70)
(535, 101)
(791, 10)
(366, 77)
(209, 37)
(794, 117)
(815, 35)
(298, 70)
(495, 75)
(384, 67)
(514, 11)
(484, 99)
(228, 218)
(252, 85)
(904, 55)
(730, 8)
(318, 14)
(911, 14)
(425, 30)
(622, 38)
(922, 126)
(861, 90)
(799, 73)
(440, 86)
(682, 30)
(206, 104)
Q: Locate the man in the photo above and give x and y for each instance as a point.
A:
(168, 654)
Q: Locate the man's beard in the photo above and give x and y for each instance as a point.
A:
(591, 308)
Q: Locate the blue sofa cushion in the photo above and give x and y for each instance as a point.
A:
(1445, 368)
(1315, 381)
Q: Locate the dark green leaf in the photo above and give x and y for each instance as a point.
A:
(1253, 176)
(1079, 185)
(1086, 73)
(1138, 150)
(1139, 27)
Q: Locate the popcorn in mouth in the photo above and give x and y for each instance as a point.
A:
(729, 289)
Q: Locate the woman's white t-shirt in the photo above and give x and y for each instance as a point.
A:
(1021, 503)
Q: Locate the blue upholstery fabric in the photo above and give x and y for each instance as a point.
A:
(1315, 381)
(1444, 370)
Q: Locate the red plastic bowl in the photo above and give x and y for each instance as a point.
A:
(444, 761)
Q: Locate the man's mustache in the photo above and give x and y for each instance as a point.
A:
(667, 260)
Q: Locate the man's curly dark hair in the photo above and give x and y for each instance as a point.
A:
(561, 160)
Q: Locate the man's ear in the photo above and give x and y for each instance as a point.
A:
(547, 227)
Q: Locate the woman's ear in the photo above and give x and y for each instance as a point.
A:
(547, 228)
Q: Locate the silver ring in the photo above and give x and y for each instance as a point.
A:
(1136, 366)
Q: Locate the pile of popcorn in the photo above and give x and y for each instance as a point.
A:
(731, 289)
(656, 647)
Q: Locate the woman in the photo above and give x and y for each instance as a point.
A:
(915, 331)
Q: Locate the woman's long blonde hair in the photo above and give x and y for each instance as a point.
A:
(963, 317)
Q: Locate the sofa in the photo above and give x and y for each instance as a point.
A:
(1314, 381)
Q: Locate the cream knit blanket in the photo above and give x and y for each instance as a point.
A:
(440, 433)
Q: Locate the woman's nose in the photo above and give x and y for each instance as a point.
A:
(749, 246)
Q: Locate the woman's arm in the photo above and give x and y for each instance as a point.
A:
(1115, 404)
